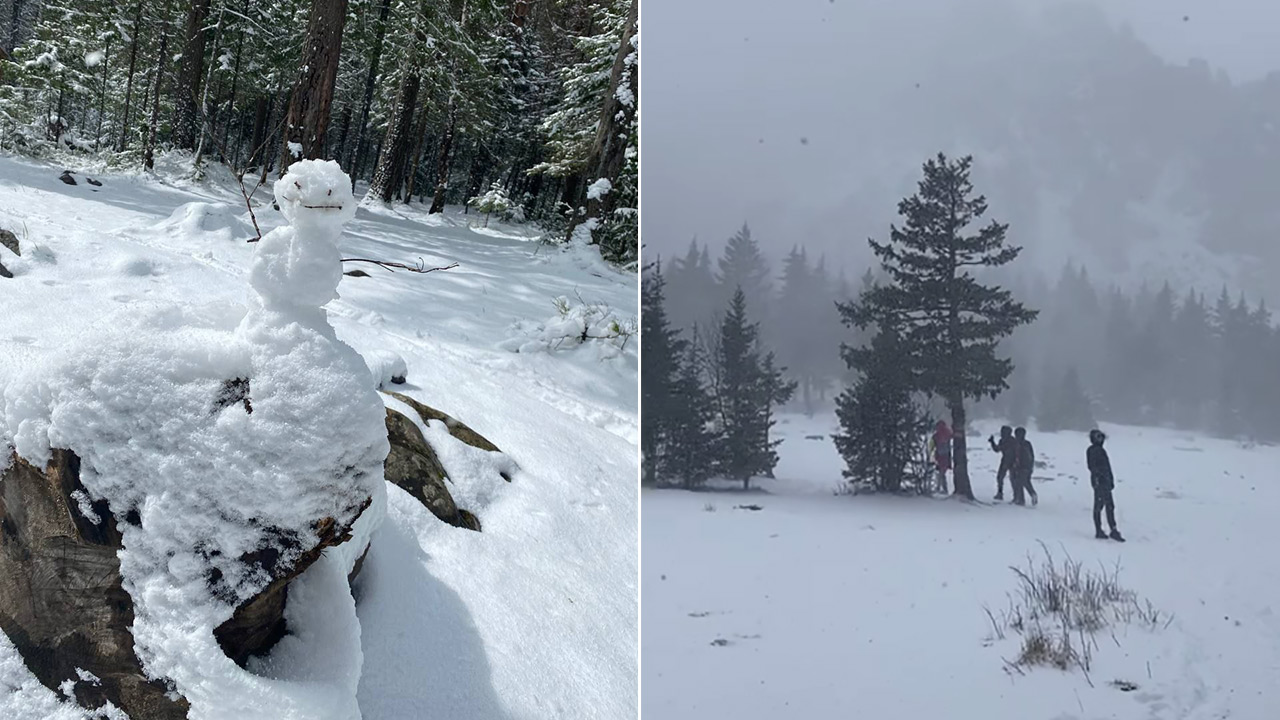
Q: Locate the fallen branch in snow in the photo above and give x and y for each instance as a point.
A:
(421, 267)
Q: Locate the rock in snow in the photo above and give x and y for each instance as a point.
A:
(387, 368)
(10, 241)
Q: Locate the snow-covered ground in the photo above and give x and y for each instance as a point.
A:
(825, 606)
(535, 617)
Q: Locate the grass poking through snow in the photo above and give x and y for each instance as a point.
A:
(1060, 606)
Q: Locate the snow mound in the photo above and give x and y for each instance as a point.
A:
(386, 367)
(197, 218)
(227, 495)
(134, 266)
(575, 324)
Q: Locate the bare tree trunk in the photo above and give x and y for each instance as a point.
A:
(206, 122)
(148, 158)
(102, 95)
(128, 88)
(959, 455)
(190, 73)
(308, 118)
(395, 147)
(375, 58)
(609, 152)
(442, 167)
(411, 174)
(344, 130)
(258, 140)
(235, 84)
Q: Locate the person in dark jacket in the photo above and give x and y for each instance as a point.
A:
(1007, 450)
(1024, 461)
(1103, 483)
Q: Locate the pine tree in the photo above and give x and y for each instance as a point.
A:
(1120, 395)
(662, 349)
(742, 266)
(1065, 406)
(881, 422)
(689, 438)
(796, 323)
(1191, 364)
(747, 386)
(691, 288)
(1230, 328)
(950, 322)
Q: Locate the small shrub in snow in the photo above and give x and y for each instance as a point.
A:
(575, 324)
(495, 200)
(1059, 607)
(709, 508)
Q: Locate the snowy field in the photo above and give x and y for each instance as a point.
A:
(824, 606)
(535, 617)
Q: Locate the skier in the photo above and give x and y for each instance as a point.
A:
(1024, 461)
(1103, 483)
(941, 445)
(1006, 449)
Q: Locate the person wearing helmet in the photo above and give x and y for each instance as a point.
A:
(1007, 450)
(1024, 461)
(941, 443)
(1103, 483)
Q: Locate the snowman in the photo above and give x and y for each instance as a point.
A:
(297, 267)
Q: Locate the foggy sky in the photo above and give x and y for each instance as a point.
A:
(754, 109)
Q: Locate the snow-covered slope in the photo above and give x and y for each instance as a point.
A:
(535, 616)
(824, 606)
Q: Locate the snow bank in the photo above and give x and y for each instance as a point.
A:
(147, 404)
(575, 324)
(195, 219)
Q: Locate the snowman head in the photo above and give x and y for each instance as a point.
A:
(315, 195)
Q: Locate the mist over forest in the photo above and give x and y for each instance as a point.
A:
(1137, 139)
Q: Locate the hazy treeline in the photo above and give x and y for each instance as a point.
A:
(1164, 355)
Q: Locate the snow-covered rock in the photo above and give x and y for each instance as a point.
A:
(386, 367)
(218, 503)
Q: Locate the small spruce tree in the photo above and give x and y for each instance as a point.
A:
(881, 422)
(494, 200)
(748, 387)
(689, 440)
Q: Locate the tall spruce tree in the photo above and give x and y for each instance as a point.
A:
(662, 348)
(881, 423)
(950, 323)
(796, 323)
(747, 387)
